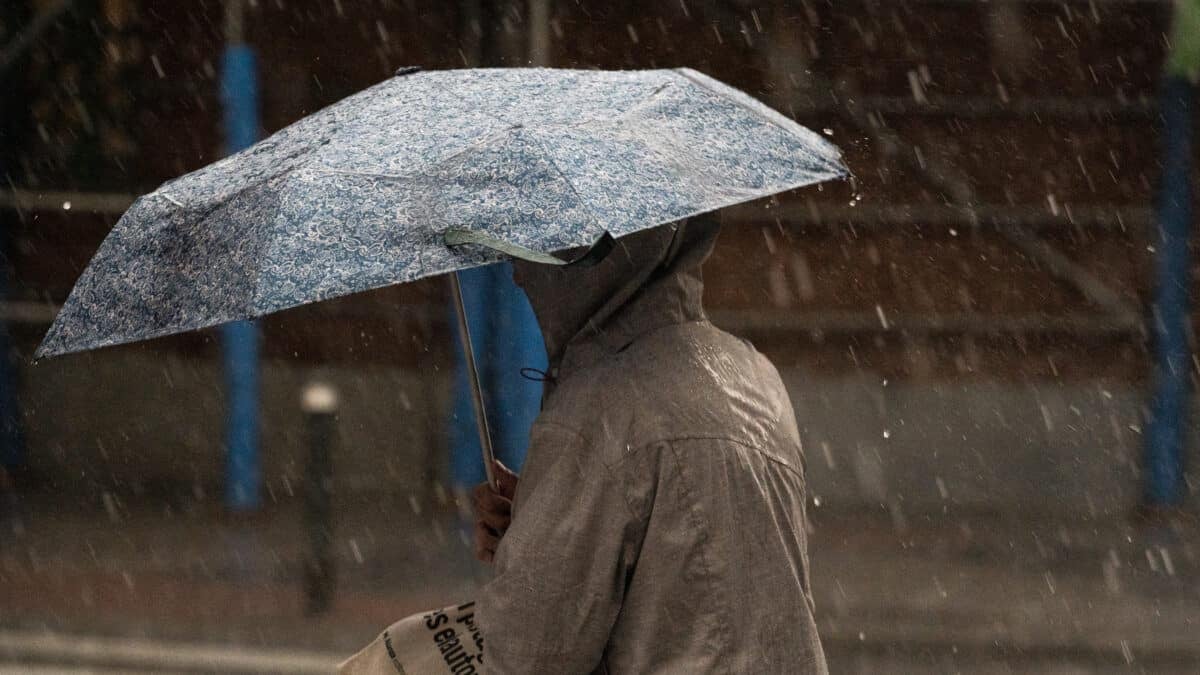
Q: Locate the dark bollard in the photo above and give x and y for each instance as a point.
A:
(319, 403)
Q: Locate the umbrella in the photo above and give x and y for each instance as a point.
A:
(426, 173)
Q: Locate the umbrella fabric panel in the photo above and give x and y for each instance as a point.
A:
(669, 158)
(166, 273)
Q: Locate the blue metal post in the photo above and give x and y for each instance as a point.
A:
(1166, 434)
(12, 445)
(239, 96)
(507, 339)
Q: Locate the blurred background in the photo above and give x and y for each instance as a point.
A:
(986, 332)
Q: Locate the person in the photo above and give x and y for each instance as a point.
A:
(658, 524)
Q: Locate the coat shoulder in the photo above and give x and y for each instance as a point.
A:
(686, 381)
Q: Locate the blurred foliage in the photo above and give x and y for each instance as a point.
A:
(1185, 40)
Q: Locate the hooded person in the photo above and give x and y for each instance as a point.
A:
(658, 525)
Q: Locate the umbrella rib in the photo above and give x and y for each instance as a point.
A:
(475, 145)
(621, 118)
(574, 190)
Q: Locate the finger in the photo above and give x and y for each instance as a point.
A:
(486, 542)
(506, 480)
(490, 502)
(479, 492)
(499, 522)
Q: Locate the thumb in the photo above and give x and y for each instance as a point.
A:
(506, 480)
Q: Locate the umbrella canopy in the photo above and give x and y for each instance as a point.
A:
(361, 194)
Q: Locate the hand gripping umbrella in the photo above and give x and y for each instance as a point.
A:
(426, 173)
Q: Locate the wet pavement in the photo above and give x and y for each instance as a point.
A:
(180, 582)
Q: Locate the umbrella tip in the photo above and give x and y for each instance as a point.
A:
(406, 70)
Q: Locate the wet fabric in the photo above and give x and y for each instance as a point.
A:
(360, 195)
(659, 524)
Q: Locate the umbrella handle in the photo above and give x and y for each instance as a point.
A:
(595, 253)
(481, 423)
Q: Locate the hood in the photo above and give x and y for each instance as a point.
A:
(649, 280)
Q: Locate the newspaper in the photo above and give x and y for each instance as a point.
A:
(440, 642)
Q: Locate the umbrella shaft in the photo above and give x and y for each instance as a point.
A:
(481, 423)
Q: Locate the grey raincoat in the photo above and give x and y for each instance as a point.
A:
(659, 523)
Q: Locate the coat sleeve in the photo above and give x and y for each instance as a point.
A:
(561, 568)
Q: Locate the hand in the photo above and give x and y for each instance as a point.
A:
(493, 512)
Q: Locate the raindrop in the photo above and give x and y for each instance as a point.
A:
(1112, 579)
(110, 507)
(828, 452)
(745, 31)
(1084, 171)
(802, 273)
(918, 90)
(1168, 564)
(1046, 419)
(1126, 651)
(919, 155)
(777, 282)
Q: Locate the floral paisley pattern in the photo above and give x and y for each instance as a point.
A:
(357, 196)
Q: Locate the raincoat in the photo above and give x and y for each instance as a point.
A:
(659, 523)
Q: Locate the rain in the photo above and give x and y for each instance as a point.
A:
(984, 329)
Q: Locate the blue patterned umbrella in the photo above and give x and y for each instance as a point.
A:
(367, 192)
